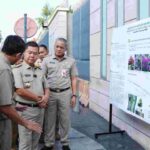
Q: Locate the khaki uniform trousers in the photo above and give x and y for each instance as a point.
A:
(5, 134)
(28, 140)
(59, 104)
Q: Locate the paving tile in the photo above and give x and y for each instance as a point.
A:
(89, 123)
(85, 124)
(82, 142)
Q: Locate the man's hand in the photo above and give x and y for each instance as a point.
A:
(31, 125)
(43, 102)
(73, 101)
(45, 99)
(11, 113)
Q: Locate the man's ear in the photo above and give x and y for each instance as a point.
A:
(19, 55)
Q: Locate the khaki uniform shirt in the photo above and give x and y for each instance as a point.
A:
(30, 78)
(59, 73)
(6, 83)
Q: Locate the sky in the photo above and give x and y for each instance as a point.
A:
(12, 10)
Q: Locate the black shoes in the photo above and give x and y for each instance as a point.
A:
(41, 140)
(57, 136)
(66, 147)
(48, 148)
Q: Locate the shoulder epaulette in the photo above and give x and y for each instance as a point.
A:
(17, 66)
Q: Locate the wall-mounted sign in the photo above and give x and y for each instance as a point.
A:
(130, 69)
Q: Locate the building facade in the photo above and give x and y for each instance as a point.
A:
(104, 16)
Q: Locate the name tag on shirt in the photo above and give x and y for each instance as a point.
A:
(27, 75)
(52, 62)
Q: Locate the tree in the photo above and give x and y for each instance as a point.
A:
(40, 21)
(46, 13)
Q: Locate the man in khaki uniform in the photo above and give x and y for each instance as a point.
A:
(32, 91)
(12, 50)
(43, 52)
(61, 73)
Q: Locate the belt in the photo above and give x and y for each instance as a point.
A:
(59, 90)
(29, 105)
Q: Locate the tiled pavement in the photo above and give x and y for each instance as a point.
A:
(88, 123)
(85, 124)
(79, 141)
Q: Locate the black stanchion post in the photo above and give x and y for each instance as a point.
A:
(110, 125)
(110, 118)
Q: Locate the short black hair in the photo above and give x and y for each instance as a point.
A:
(44, 46)
(13, 44)
(32, 44)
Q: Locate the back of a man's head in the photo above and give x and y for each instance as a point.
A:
(13, 44)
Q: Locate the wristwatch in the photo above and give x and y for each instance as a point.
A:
(74, 95)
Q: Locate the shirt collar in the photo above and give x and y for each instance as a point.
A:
(27, 66)
(54, 57)
(2, 55)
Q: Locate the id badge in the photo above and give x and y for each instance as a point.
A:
(64, 73)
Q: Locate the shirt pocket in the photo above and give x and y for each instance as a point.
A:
(27, 80)
(66, 71)
(39, 77)
(51, 68)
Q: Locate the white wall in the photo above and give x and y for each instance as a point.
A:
(57, 28)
